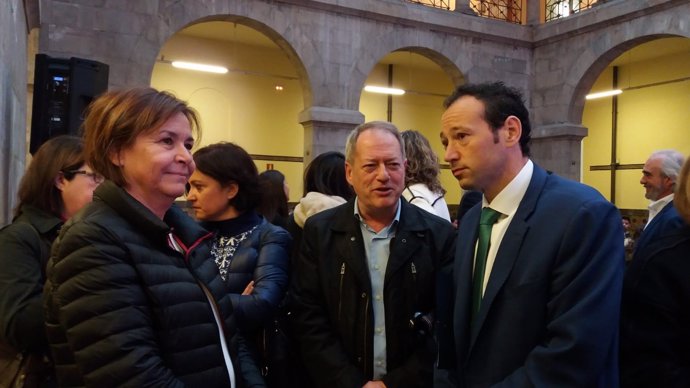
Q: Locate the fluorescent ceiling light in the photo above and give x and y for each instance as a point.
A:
(607, 93)
(381, 89)
(200, 67)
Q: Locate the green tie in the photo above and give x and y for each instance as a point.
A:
(486, 222)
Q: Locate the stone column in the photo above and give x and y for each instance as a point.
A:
(463, 6)
(326, 129)
(557, 148)
(533, 12)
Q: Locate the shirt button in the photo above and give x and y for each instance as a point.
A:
(379, 330)
(379, 363)
(364, 295)
(377, 267)
(378, 297)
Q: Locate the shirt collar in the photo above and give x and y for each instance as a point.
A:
(508, 200)
(656, 206)
(395, 221)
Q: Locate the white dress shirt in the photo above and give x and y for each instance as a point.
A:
(656, 206)
(507, 203)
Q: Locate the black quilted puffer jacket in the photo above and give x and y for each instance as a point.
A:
(125, 309)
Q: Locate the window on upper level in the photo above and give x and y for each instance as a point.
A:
(556, 9)
(508, 10)
(443, 4)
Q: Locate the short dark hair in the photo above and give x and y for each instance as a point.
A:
(500, 101)
(274, 202)
(626, 218)
(60, 154)
(229, 163)
(326, 174)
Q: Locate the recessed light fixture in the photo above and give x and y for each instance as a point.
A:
(199, 67)
(607, 93)
(384, 90)
(279, 88)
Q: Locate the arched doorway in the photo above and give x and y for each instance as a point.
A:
(254, 101)
(426, 78)
(650, 114)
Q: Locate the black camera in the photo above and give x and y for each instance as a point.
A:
(422, 324)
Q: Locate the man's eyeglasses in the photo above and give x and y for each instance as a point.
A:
(95, 177)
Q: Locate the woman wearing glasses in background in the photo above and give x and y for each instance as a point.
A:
(55, 186)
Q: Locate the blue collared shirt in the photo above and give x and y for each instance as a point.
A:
(377, 247)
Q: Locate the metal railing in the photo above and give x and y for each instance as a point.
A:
(507, 10)
(556, 9)
(511, 10)
(442, 4)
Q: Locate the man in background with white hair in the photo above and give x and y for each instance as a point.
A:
(659, 176)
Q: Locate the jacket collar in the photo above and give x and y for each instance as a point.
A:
(44, 222)
(345, 218)
(142, 218)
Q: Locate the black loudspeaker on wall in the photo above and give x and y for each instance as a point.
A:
(63, 88)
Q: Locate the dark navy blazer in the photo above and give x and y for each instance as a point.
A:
(549, 317)
(663, 223)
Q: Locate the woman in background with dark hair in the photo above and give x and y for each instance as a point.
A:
(55, 186)
(274, 197)
(251, 253)
(325, 187)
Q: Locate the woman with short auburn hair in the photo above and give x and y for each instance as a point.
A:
(132, 298)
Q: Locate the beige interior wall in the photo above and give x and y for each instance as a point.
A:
(596, 146)
(420, 108)
(243, 105)
(246, 108)
(651, 117)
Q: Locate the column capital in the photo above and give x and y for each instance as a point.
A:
(557, 147)
(336, 116)
(559, 130)
(326, 129)
(463, 6)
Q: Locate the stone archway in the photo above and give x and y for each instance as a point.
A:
(649, 115)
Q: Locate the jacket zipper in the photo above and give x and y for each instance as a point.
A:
(413, 271)
(215, 309)
(340, 290)
(366, 325)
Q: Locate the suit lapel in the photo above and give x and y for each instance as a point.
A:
(509, 250)
(649, 229)
(462, 268)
